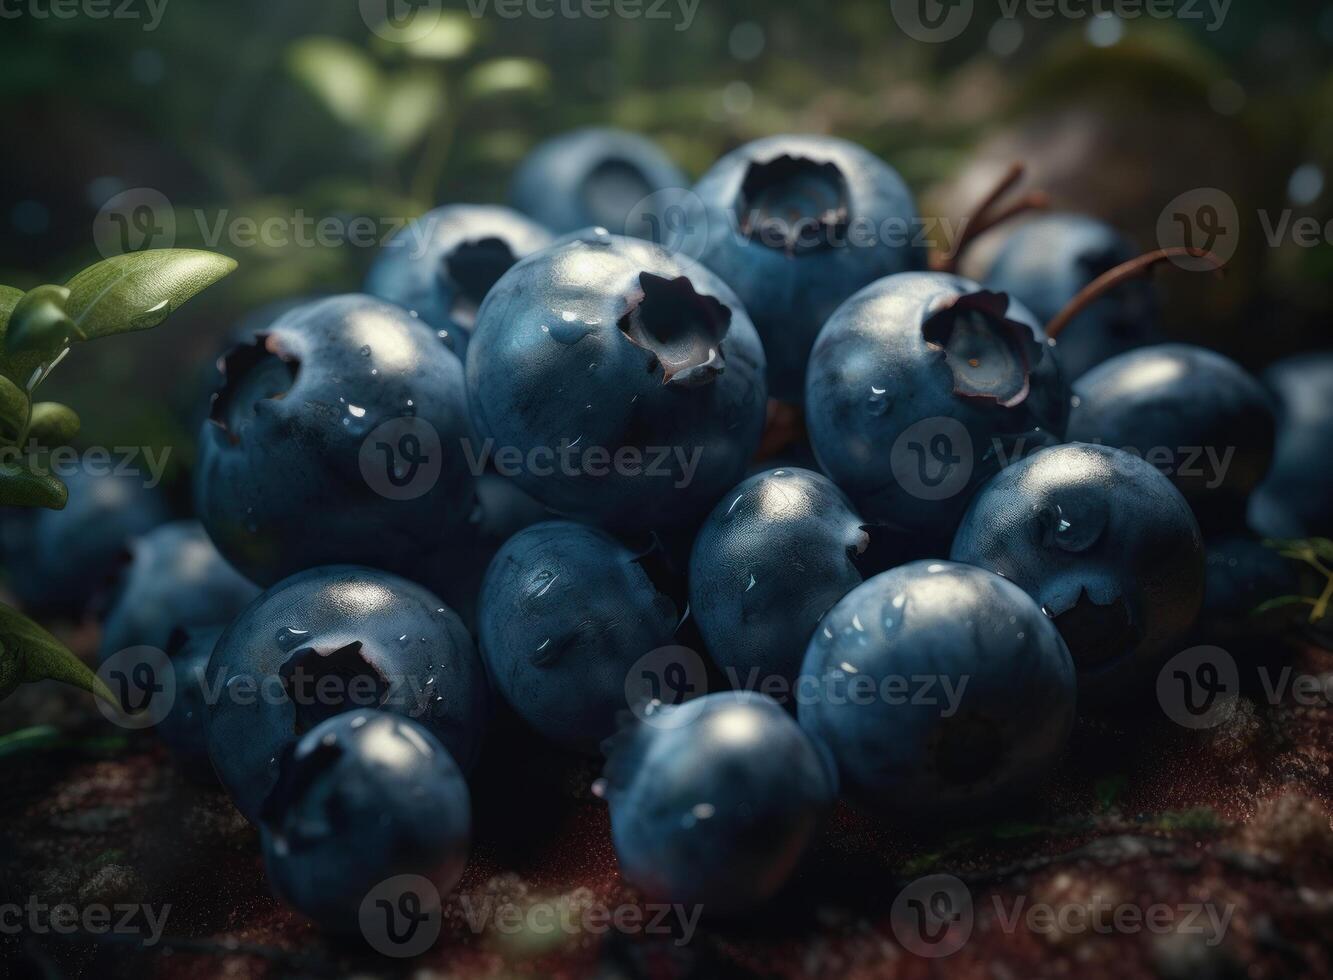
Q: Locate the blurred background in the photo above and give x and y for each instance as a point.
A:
(259, 109)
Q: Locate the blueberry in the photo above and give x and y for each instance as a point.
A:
(775, 555)
(566, 610)
(921, 387)
(60, 561)
(796, 225)
(1296, 500)
(364, 797)
(1106, 545)
(184, 727)
(442, 266)
(1197, 416)
(328, 640)
(617, 383)
(714, 801)
(456, 571)
(941, 690)
(176, 578)
(593, 177)
(295, 469)
(1049, 260)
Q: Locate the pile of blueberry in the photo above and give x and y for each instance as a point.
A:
(539, 468)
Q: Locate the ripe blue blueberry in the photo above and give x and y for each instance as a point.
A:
(920, 388)
(796, 225)
(296, 468)
(714, 801)
(442, 265)
(176, 578)
(1108, 548)
(1296, 500)
(941, 690)
(616, 383)
(328, 640)
(774, 555)
(593, 177)
(456, 571)
(566, 611)
(1196, 415)
(364, 797)
(184, 727)
(1049, 260)
(60, 561)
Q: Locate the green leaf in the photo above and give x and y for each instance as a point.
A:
(53, 424)
(393, 110)
(452, 37)
(18, 368)
(140, 290)
(412, 101)
(29, 653)
(1282, 602)
(20, 487)
(340, 75)
(15, 408)
(39, 323)
(507, 75)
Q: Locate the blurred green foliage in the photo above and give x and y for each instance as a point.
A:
(255, 110)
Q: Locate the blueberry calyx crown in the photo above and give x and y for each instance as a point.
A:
(990, 355)
(470, 271)
(305, 669)
(794, 205)
(681, 328)
(251, 373)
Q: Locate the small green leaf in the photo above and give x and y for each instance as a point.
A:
(53, 424)
(18, 368)
(452, 37)
(20, 487)
(29, 653)
(507, 75)
(15, 408)
(1282, 602)
(340, 75)
(412, 101)
(140, 290)
(39, 323)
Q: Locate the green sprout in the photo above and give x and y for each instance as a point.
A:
(1317, 553)
(38, 328)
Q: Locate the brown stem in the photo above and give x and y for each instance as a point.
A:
(983, 220)
(1122, 273)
